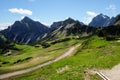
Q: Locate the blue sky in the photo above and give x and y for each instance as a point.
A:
(48, 11)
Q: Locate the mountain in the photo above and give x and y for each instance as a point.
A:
(117, 20)
(26, 31)
(68, 28)
(58, 24)
(100, 21)
(110, 22)
(112, 31)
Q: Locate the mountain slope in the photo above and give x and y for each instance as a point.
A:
(102, 21)
(94, 54)
(58, 24)
(111, 32)
(5, 45)
(25, 31)
(117, 21)
(70, 29)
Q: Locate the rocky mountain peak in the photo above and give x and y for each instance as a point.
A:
(100, 20)
(26, 19)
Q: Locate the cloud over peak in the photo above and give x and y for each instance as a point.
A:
(90, 16)
(20, 11)
(90, 13)
(4, 26)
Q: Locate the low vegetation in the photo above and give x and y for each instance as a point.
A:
(95, 77)
(110, 33)
(28, 56)
(97, 53)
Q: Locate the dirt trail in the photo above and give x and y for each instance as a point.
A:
(66, 54)
(113, 74)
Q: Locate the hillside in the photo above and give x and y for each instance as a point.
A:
(27, 56)
(95, 52)
(117, 22)
(5, 45)
(69, 30)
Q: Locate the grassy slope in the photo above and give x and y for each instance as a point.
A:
(39, 55)
(97, 53)
(95, 77)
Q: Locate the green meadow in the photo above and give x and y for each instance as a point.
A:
(94, 52)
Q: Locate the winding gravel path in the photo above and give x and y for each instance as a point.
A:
(66, 54)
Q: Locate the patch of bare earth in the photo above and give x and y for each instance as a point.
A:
(106, 74)
(62, 69)
(112, 74)
(118, 40)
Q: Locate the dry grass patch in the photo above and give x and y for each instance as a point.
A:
(34, 61)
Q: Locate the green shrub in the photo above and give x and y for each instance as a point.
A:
(110, 38)
(27, 58)
(5, 62)
(21, 60)
(18, 61)
(45, 45)
(61, 40)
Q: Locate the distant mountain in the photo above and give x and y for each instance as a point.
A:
(100, 21)
(112, 31)
(26, 31)
(58, 24)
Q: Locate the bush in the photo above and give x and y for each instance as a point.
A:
(61, 40)
(5, 62)
(27, 58)
(21, 60)
(36, 46)
(45, 45)
(18, 61)
(110, 38)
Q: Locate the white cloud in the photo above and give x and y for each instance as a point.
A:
(111, 7)
(90, 16)
(20, 11)
(90, 13)
(4, 25)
